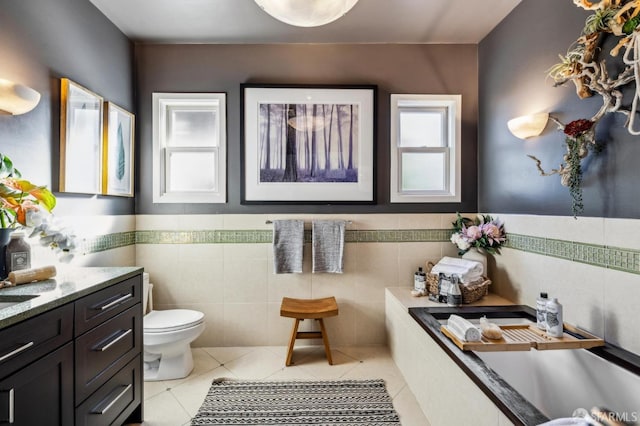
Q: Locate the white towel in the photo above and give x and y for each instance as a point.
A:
(328, 246)
(288, 243)
(471, 265)
(468, 271)
(463, 329)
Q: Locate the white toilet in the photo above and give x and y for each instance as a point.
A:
(167, 337)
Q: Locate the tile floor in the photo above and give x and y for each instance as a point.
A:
(173, 403)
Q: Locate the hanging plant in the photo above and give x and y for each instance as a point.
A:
(582, 67)
(579, 140)
(580, 136)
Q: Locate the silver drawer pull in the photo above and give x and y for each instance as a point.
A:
(115, 302)
(109, 405)
(114, 341)
(12, 406)
(16, 351)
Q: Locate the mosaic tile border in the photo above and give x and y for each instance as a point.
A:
(265, 236)
(622, 259)
(106, 242)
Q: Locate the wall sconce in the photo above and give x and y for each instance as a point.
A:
(528, 126)
(17, 99)
(307, 13)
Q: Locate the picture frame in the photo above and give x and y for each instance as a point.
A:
(80, 139)
(118, 151)
(308, 144)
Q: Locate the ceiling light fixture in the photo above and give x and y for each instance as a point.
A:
(17, 99)
(306, 13)
(528, 126)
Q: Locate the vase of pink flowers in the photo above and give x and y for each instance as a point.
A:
(474, 238)
(483, 233)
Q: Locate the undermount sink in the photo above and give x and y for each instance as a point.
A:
(8, 300)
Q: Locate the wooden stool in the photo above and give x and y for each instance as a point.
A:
(302, 309)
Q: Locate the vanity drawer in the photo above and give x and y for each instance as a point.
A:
(114, 401)
(98, 307)
(29, 340)
(104, 350)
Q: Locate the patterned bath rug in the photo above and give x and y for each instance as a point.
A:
(299, 403)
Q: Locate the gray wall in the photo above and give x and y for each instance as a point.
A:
(514, 60)
(40, 42)
(435, 69)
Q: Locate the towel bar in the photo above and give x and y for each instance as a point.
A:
(269, 222)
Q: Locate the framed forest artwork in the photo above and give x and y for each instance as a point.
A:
(308, 144)
(117, 169)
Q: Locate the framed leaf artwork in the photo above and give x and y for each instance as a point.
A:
(118, 151)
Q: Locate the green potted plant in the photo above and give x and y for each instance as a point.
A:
(18, 196)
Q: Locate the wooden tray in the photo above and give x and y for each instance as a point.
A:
(523, 337)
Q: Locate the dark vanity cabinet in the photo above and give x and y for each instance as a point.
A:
(36, 366)
(77, 364)
(108, 348)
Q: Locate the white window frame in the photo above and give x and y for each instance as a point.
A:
(162, 104)
(453, 151)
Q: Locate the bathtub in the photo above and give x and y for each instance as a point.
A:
(551, 383)
(558, 382)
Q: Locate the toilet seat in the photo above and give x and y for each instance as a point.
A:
(171, 320)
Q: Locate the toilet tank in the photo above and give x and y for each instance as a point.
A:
(147, 291)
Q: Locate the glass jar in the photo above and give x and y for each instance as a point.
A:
(18, 253)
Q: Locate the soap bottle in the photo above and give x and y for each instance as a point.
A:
(454, 296)
(541, 311)
(554, 318)
(420, 281)
(18, 253)
(443, 287)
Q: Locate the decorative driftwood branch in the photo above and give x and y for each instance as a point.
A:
(589, 74)
(559, 171)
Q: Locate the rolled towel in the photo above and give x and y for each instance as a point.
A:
(463, 329)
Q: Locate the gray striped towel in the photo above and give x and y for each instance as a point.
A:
(288, 242)
(328, 245)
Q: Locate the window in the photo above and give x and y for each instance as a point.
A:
(189, 148)
(425, 148)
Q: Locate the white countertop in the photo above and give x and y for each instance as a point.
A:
(403, 295)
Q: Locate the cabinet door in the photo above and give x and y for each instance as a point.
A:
(41, 393)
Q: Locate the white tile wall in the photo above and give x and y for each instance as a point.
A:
(235, 286)
(602, 301)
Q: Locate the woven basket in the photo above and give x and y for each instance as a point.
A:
(471, 292)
